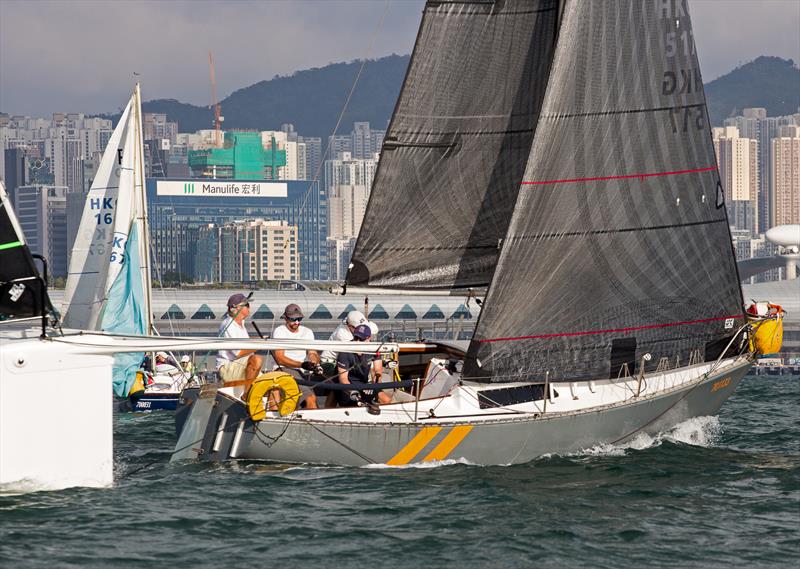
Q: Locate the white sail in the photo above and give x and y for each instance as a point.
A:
(114, 204)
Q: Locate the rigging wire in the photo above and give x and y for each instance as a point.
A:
(344, 108)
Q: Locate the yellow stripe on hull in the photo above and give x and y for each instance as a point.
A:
(451, 441)
(423, 438)
(408, 452)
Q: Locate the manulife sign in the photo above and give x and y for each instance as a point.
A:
(221, 188)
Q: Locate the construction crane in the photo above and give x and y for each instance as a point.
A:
(218, 118)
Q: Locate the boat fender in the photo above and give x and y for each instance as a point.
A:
(138, 384)
(766, 320)
(266, 382)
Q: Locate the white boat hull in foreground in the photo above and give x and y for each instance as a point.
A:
(215, 425)
(55, 415)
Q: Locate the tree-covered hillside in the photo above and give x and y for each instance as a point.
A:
(769, 82)
(313, 98)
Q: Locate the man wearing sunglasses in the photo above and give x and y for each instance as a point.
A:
(296, 362)
(235, 365)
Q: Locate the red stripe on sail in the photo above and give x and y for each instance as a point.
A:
(625, 177)
(631, 329)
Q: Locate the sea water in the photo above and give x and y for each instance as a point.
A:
(712, 492)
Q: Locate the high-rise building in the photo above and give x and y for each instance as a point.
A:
(156, 126)
(245, 156)
(313, 156)
(339, 253)
(738, 168)
(178, 209)
(339, 143)
(42, 214)
(344, 170)
(365, 142)
(247, 251)
(16, 169)
(346, 207)
(755, 124)
(786, 176)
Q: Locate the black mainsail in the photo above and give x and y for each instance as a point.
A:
(21, 288)
(619, 243)
(457, 145)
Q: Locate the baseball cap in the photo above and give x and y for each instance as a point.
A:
(355, 318)
(236, 299)
(186, 358)
(362, 332)
(162, 354)
(292, 311)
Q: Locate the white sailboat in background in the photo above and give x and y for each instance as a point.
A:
(108, 284)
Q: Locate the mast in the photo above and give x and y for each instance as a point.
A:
(141, 198)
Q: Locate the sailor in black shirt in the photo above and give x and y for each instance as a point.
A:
(359, 368)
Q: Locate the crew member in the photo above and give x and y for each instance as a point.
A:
(344, 333)
(235, 365)
(359, 368)
(298, 363)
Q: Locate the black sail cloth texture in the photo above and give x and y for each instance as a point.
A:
(457, 145)
(619, 243)
(20, 288)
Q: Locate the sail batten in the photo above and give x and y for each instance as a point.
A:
(457, 146)
(619, 244)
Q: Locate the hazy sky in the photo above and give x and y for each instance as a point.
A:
(80, 55)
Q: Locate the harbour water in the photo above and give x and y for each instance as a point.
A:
(713, 492)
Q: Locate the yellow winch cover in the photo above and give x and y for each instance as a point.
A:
(266, 382)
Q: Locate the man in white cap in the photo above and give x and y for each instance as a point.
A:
(187, 365)
(344, 333)
(234, 365)
(165, 363)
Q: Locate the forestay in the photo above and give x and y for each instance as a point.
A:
(619, 243)
(457, 145)
(20, 284)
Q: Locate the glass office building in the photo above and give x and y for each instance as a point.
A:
(178, 208)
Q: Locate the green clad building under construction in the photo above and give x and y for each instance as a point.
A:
(244, 156)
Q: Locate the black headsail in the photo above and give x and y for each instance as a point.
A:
(22, 293)
(619, 244)
(457, 145)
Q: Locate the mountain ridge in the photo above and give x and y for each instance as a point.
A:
(312, 99)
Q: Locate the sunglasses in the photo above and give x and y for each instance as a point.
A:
(242, 305)
(300, 319)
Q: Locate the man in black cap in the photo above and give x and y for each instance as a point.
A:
(360, 368)
(298, 363)
(234, 365)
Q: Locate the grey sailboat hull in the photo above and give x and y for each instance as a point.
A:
(217, 427)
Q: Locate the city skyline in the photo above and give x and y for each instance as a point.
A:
(92, 72)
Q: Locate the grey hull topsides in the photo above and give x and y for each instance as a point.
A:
(217, 427)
